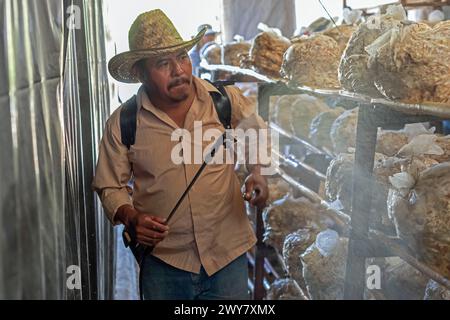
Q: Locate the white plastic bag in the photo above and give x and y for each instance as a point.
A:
(402, 181)
(420, 145)
(351, 16)
(326, 242)
(397, 11)
(412, 130)
(265, 28)
(436, 16)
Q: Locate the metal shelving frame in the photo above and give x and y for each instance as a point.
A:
(373, 113)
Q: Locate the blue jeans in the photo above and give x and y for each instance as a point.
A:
(161, 281)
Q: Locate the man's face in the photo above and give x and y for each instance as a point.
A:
(169, 77)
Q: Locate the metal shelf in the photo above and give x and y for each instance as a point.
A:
(297, 163)
(305, 143)
(341, 219)
(282, 87)
(373, 113)
(236, 70)
(395, 247)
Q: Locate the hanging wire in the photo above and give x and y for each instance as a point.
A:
(329, 15)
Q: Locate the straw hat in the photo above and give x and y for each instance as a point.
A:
(151, 34)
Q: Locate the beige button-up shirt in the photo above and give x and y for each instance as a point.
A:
(210, 228)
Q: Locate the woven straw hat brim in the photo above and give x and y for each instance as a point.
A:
(120, 66)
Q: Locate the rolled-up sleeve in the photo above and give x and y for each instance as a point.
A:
(245, 117)
(113, 169)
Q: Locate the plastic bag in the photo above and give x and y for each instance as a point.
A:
(411, 62)
(436, 16)
(288, 215)
(434, 291)
(324, 264)
(285, 289)
(326, 242)
(351, 16)
(266, 53)
(402, 181)
(313, 62)
(265, 28)
(397, 12)
(354, 73)
(421, 215)
(295, 244)
(420, 145)
(238, 38)
(415, 129)
(234, 53)
(337, 205)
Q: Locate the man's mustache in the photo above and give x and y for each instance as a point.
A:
(178, 81)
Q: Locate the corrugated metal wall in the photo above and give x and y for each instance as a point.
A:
(54, 99)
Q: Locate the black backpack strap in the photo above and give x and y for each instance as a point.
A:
(128, 116)
(222, 103)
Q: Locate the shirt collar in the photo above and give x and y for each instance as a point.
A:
(143, 101)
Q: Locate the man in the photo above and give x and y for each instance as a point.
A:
(201, 253)
(209, 37)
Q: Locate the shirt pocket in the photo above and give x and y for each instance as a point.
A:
(151, 154)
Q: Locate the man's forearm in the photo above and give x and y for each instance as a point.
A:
(112, 199)
(124, 214)
(255, 168)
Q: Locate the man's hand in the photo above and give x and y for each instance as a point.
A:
(148, 230)
(256, 190)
